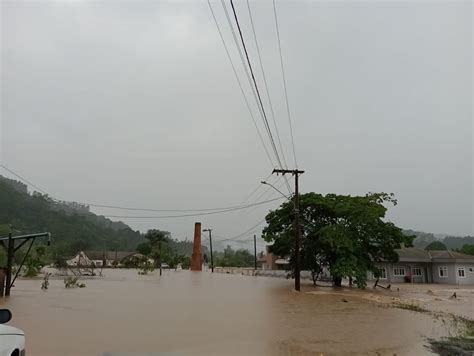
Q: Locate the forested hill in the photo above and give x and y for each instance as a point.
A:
(72, 226)
(423, 239)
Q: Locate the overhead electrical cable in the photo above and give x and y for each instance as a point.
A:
(240, 85)
(266, 85)
(264, 115)
(188, 215)
(284, 84)
(222, 209)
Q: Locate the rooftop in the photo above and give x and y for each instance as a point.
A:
(414, 254)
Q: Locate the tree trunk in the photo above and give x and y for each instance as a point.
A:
(337, 281)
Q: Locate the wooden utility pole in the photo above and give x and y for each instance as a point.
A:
(255, 249)
(296, 222)
(210, 246)
(159, 255)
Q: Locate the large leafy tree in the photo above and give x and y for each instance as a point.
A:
(158, 242)
(467, 249)
(346, 234)
(234, 258)
(436, 246)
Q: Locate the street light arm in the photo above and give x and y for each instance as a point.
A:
(279, 191)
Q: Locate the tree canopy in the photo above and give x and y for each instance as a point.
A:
(345, 234)
(467, 249)
(71, 231)
(234, 258)
(436, 246)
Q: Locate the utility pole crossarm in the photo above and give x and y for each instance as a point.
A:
(285, 171)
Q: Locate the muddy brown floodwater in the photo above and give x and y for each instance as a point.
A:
(184, 313)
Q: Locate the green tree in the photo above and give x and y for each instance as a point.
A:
(144, 248)
(436, 246)
(185, 262)
(25, 213)
(346, 234)
(35, 261)
(158, 241)
(234, 258)
(467, 249)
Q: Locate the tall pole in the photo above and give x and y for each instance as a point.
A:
(10, 252)
(297, 234)
(210, 245)
(255, 249)
(296, 223)
(159, 256)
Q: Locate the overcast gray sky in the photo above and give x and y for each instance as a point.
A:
(134, 103)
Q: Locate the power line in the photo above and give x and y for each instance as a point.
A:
(189, 215)
(240, 84)
(256, 189)
(246, 70)
(264, 115)
(255, 85)
(284, 84)
(252, 87)
(250, 230)
(266, 84)
(218, 210)
(266, 190)
(242, 60)
(245, 232)
(23, 179)
(261, 197)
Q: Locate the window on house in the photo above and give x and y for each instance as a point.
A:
(471, 269)
(443, 271)
(383, 273)
(399, 271)
(461, 272)
(417, 271)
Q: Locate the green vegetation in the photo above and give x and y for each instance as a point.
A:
(423, 239)
(72, 230)
(35, 261)
(161, 247)
(345, 233)
(436, 246)
(234, 258)
(72, 282)
(462, 345)
(467, 249)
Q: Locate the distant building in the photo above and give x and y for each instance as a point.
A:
(100, 258)
(18, 186)
(271, 261)
(420, 266)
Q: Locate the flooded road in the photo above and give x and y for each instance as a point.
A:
(185, 313)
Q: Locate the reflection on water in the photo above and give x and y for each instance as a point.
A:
(212, 314)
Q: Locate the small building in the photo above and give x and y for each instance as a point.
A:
(100, 258)
(79, 260)
(421, 266)
(271, 261)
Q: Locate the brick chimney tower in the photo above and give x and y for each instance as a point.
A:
(196, 259)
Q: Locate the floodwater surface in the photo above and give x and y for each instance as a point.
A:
(188, 313)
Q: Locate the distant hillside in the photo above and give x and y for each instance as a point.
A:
(423, 239)
(72, 225)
